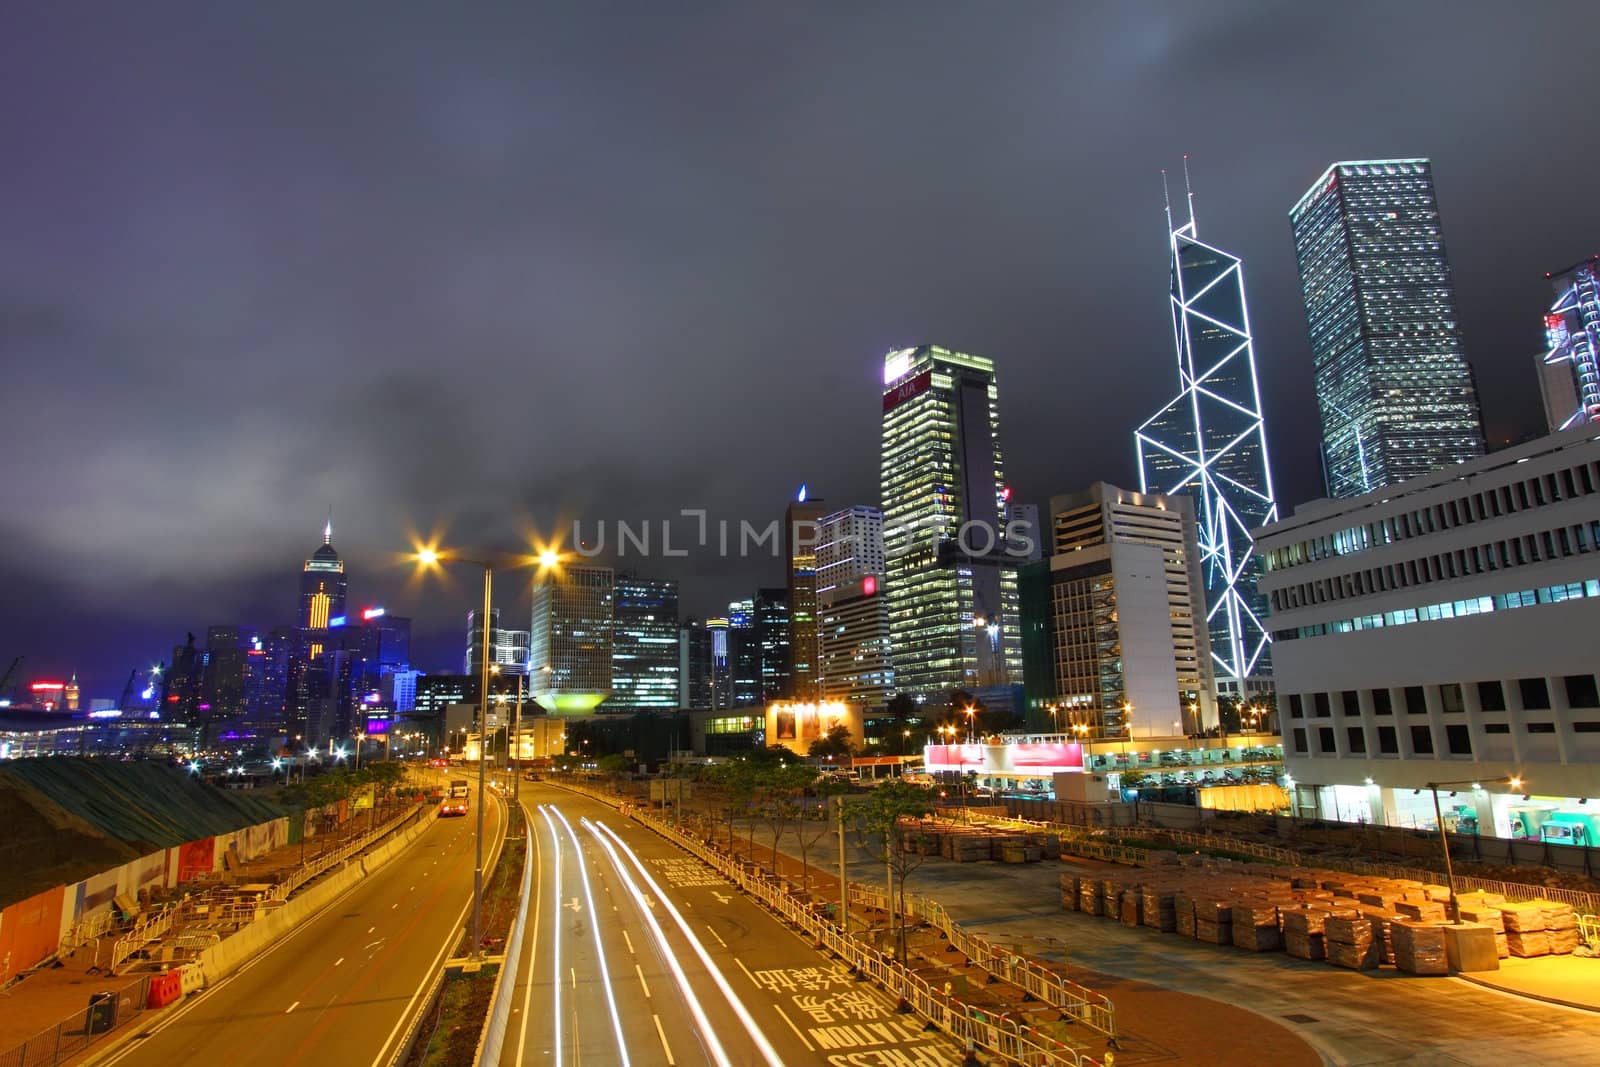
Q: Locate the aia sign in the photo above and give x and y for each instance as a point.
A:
(906, 390)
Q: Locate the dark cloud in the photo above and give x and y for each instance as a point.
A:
(481, 265)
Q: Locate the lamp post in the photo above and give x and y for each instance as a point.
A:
(1444, 838)
(970, 710)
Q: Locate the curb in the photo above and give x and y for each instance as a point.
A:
(1590, 1008)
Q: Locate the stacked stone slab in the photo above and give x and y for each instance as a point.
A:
(1348, 939)
(1419, 946)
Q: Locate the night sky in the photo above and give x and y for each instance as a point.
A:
(470, 267)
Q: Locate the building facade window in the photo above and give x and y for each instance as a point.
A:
(1491, 696)
(1357, 738)
(1381, 703)
(1535, 693)
(1388, 744)
(1581, 691)
(1422, 740)
(1459, 739)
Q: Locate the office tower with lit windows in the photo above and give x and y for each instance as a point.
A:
(508, 649)
(571, 635)
(951, 584)
(1210, 442)
(800, 566)
(322, 585)
(1569, 366)
(772, 640)
(1394, 390)
(644, 643)
(852, 614)
(744, 654)
(1113, 638)
(694, 665)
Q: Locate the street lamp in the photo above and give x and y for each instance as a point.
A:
(970, 710)
(1512, 780)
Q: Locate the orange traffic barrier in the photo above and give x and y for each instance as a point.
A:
(164, 989)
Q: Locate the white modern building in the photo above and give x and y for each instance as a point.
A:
(1113, 631)
(1443, 629)
(569, 649)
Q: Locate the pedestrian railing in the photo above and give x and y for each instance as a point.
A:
(971, 1025)
(149, 928)
(88, 929)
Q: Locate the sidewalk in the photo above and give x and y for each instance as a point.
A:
(1572, 981)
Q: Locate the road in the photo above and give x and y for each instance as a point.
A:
(639, 954)
(339, 988)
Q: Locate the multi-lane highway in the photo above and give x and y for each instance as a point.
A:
(340, 988)
(636, 953)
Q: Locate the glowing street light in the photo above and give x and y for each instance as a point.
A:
(1513, 780)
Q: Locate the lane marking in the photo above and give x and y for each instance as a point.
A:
(747, 973)
(338, 961)
(574, 972)
(555, 966)
(371, 928)
(718, 936)
(796, 1029)
(638, 971)
(662, 1034)
(291, 1007)
(627, 940)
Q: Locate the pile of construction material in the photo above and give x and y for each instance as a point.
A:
(971, 844)
(1351, 921)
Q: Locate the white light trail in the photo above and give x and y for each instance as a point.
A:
(718, 1054)
(769, 1053)
(555, 936)
(600, 949)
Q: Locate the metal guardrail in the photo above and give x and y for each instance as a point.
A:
(89, 929)
(322, 864)
(149, 928)
(1589, 930)
(968, 1024)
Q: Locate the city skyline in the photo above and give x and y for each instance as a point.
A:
(272, 266)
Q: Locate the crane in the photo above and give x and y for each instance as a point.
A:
(6, 679)
(127, 690)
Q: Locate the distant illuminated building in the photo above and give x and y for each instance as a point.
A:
(772, 639)
(322, 585)
(796, 725)
(744, 654)
(1393, 386)
(1569, 367)
(70, 695)
(644, 643)
(1210, 443)
(508, 649)
(853, 630)
(800, 565)
(571, 635)
(694, 665)
(952, 586)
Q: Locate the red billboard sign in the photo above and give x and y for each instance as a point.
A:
(1023, 758)
(907, 389)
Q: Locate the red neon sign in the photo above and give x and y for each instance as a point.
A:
(48, 687)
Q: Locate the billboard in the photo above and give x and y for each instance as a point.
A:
(1037, 758)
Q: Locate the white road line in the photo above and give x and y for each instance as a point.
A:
(574, 972)
(662, 1034)
(796, 1029)
(642, 982)
(627, 940)
(291, 1007)
(718, 936)
(338, 961)
(533, 951)
(371, 928)
(747, 973)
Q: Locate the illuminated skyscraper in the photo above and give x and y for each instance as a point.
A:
(772, 637)
(800, 565)
(951, 585)
(571, 635)
(1569, 367)
(1393, 386)
(322, 585)
(644, 643)
(1209, 442)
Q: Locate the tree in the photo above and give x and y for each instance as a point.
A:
(878, 829)
(836, 742)
(614, 765)
(822, 787)
(783, 789)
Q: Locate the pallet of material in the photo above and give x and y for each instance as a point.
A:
(1490, 917)
(1419, 947)
(1158, 909)
(1527, 917)
(1091, 900)
(1132, 907)
(1183, 914)
(1304, 932)
(1421, 911)
(1527, 943)
(1255, 927)
(1349, 942)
